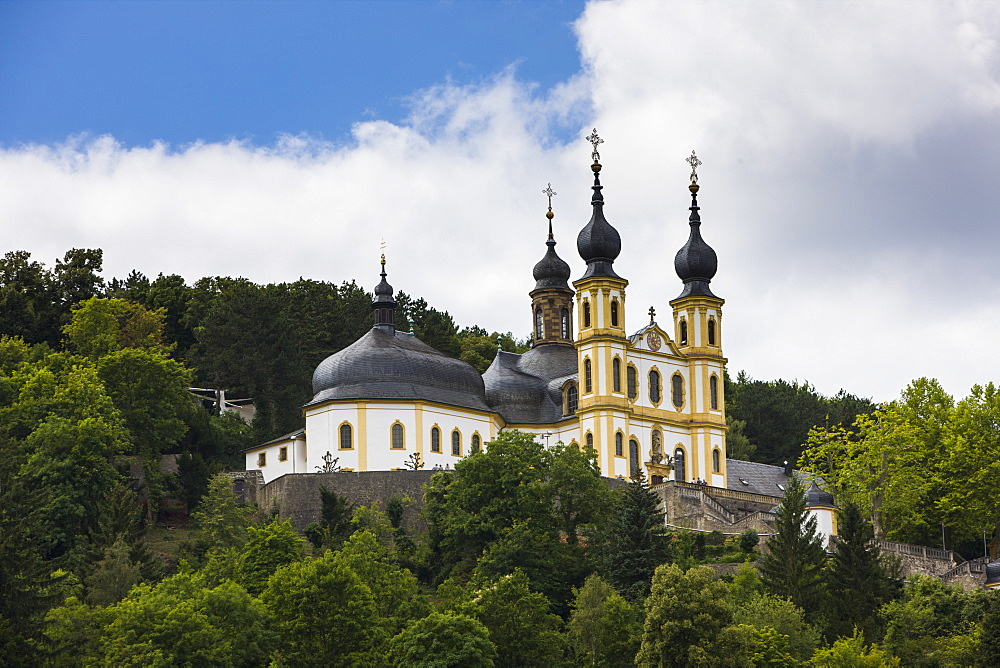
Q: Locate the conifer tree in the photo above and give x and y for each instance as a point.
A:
(635, 542)
(793, 563)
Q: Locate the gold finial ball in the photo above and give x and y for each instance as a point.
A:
(596, 167)
(549, 214)
(693, 187)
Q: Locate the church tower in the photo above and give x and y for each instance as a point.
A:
(551, 298)
(601, 340)
(697, 313)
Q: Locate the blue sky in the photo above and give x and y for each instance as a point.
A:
(210, 71)
(849, 182)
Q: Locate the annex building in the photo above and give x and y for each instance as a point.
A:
(647, 400)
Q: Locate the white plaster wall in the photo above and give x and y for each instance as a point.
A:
(824, 522)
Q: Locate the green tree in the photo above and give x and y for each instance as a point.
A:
(335, 525)
(851, 652)
(480, 348)
(738, 446)
(77, 276)
(524, 631)
(444, 640)
(267, 548)
(325, 614)
(29, 306)
(792, 565)
(113, 576)
(635, 542)
(98, 327)
(989, 649)
(685, 615)
(604, 628)
(222, 519)
(857, 579)
(764, 611)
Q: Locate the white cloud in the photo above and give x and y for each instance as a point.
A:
(843, 187)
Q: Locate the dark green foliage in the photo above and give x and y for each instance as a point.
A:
(336, 513)
(267, 548)
(444, 640)
(634, 543)
(857, 579)
(748, 540)
(29, 306)
(113, 576)
(604, 628)
(522, 628)
(479, 348)
(989, 647)
(193, 473)
(792, 565)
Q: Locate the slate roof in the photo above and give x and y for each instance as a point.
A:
(759, 478)
(525, 389)
(993, 572)
(381, 365)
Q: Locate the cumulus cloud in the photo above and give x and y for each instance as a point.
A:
(848, 186)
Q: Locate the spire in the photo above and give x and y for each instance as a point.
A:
(384, 306)
(696, 262)
(598, 243)
(551, 271)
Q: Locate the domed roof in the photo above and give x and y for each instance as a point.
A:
(598, 243)
(551, 271)
(384, 365)
(518, 386)
(816, 497)
(696, 261)
(993, 573)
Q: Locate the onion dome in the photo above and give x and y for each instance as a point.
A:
(598, 243)
(818, 498)
(993, 574)
(551, 271)
(397, 365)
(696, 262)
(383, 305)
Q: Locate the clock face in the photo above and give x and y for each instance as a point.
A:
(653, 341)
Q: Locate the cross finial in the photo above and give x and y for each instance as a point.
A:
(652, 314)
(596, 141)
(382, 246)
(695, 163)
(549, 192)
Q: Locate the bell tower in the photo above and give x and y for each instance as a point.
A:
(551, 298)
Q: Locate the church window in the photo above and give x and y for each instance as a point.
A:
(654, 386)
(614, 312)
(679, 471)
(616, 374)
(633, 458)
(619, 445)
(586, 314)
(565, 323)
(456, 443)
(590, 441)
(711, 331)
(477, 443)
(632, 377)
(716, 461)
(539, 324)
(346, 437)
(572, 398)
(684, 332)
(588, 376)
(713, 392)
(261, 460)
(677, 390)
(435, 439)
(283, 453)
(397, 437)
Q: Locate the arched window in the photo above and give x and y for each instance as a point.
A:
(716, 461)
(346, 437)
(477, 443)
(590, 441)
(588, 376)
(586, 314)
(435, 439)
(633, 458)
(397, 437)
(616, 374)
(614, 312)
(539, 328)
(654, 386)
(680, 473)
(711, 331)
(619, 444)
(565, 323)
(713, 392)
(677, 390)
(684, 332)
(632, 377)
(456, 443)
(572, 398)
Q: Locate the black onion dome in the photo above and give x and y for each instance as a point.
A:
(816, 497)
(598, 243)
(383, 291)
(383, 365)
(551, 271)
(696, 262)
(993, 573)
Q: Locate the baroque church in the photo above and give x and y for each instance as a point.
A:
(650, 399)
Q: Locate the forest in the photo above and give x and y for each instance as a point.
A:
(527, 558)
